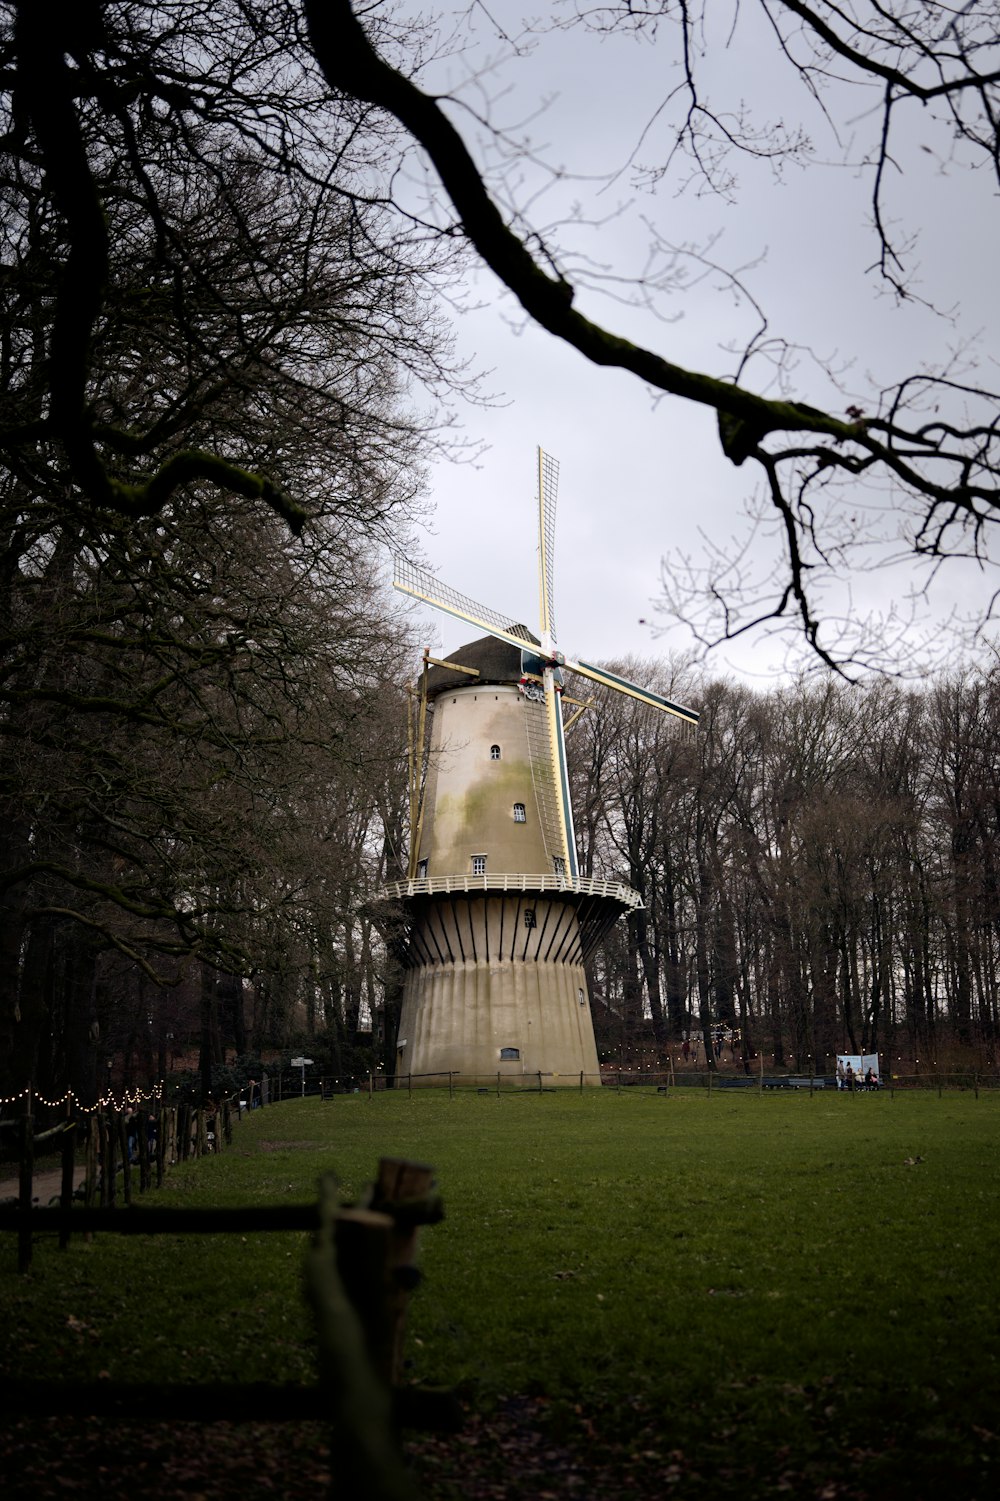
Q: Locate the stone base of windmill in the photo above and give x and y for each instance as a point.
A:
(475, 1022)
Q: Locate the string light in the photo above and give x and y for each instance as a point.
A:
(129, 1097)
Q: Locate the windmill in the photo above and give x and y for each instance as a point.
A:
(473, 978)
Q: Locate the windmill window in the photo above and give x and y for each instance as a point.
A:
(519, 814)
(421, 870)
(479, 865)
(494, 752)
(510, 1055)
(559, 865)
(529, 917)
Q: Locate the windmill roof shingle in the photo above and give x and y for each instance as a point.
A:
(496, 661)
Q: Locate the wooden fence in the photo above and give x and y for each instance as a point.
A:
(360, 1272)
(128, 1142)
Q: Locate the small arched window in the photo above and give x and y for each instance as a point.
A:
(494, 752)
(479, 865)
(519, 813)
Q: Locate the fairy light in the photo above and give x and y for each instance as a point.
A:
(129, 1097)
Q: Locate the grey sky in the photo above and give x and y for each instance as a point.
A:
(637, 477)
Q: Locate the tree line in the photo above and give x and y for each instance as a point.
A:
(208, 434)
(818, 868)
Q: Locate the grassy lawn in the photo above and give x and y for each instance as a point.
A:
(751, 1294)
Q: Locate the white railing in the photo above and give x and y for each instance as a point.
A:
(444, 885)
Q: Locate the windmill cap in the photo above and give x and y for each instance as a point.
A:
(496, 662)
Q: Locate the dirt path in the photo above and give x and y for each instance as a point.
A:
(45, 1186)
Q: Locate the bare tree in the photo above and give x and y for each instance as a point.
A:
(926, 445)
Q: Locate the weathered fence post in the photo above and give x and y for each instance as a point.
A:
(66, 1181)
(368, 1459)
(102, 1157)
(25, 1185)
(93, 1156)
(122, 1134)
(404, 1190)
(142, 1143)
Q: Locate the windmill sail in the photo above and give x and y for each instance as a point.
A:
(625, 685)
(548, 487)
(544, 778)
(419, 582)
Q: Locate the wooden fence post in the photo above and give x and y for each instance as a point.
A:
(25, 1185)
(142, 1142)
(90, 1180)
(66, 1181)
(368, 1459)
(404, 1190)
(122, 1134)
(161, 1143)
(102, 1157)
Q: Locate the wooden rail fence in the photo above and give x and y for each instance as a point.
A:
(140, 1145)
(359, 1273)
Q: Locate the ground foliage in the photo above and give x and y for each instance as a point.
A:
(635, 1296)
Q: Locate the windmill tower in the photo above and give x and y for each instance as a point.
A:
(499, 920)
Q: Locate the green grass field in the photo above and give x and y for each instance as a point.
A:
(769, 1292)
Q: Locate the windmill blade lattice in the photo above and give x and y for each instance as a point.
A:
(544, 778)
(548, 490)
(633, 690)
(419, 582)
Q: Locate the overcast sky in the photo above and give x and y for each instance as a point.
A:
(641, 477)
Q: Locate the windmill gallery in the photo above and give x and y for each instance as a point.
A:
(498, 919)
